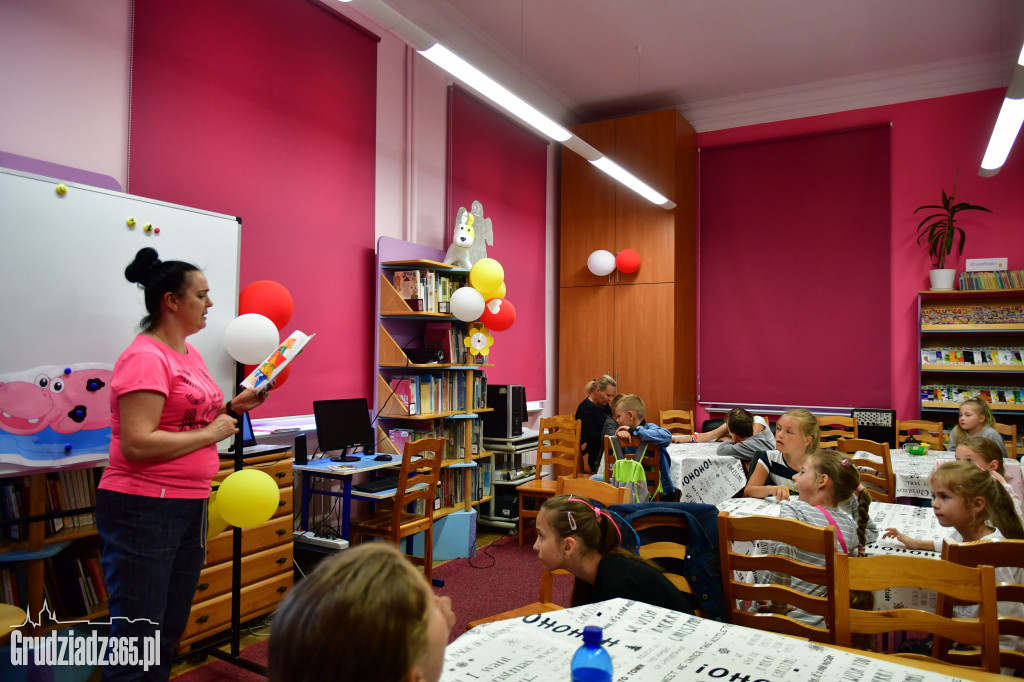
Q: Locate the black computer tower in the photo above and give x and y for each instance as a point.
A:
(509, 403)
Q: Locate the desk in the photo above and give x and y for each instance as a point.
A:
(701, 475)
(648, 643)
(913, 471)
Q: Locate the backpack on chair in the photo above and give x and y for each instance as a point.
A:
(629, 473)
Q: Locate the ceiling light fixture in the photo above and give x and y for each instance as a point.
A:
(426, 45)
(1008, 123)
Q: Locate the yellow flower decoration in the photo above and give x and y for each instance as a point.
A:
(478, 341)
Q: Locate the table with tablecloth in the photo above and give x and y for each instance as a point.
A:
(703, 476)
(913, 471)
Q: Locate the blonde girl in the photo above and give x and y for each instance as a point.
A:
(985, 454)
(975, 419)
(583, 539)
(796, 435)
(364, 614)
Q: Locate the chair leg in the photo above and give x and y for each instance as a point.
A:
(520, 521)
(428, 553)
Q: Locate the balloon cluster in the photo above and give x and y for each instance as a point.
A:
(484, 298)
(246, 498)
(264, 308)
(603, 262)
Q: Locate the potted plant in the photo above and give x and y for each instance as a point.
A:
(941, 230)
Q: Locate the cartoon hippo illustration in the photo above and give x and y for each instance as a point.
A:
(65, 399)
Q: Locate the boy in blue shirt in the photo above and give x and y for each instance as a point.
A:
(629, 412)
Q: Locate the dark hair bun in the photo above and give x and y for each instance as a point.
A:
(141, 270)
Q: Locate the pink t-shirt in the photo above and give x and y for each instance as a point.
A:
(193, 400)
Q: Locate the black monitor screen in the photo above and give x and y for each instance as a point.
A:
(248, 437)
(343, 423)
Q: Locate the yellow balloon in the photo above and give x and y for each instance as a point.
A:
(248, 498)
(486, 275)
(497, 293)
(215, 522)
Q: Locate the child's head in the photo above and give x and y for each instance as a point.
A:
(740, 424)
(830, 478)
(365, 613)
(602, 390)
(796, 432)
(568, 526)
(964, 495)
(983, 452)
(974, 415)
(629, 410)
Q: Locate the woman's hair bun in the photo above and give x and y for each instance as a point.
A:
(141, 270)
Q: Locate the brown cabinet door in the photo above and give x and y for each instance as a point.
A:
(584, 341)
(588, 207)
(645, 344)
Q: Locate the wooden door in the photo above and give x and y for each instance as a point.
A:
(645, 344)
(588, 207)
(585, 338)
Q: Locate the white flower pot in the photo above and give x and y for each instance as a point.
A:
(942, 280)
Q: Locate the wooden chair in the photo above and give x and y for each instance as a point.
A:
(880, 477)
(737, 593)
(678, 421)
(924, 432)
(655, 532)
(973, 585)
(558, 446)
(832, 428)
(397, 523)
(1009, 434)
(1002, 553)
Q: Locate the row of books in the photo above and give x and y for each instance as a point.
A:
(66, 489)
(73, 582)
(978, 314)
(13, 584)
(454, 430)
(999, 279)
(451, 490)
(999, 395)
(438, 392)
(426, 291)
(997, 357)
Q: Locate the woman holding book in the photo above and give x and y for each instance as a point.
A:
(167, 416)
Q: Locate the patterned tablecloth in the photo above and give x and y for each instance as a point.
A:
(913, 471)
(702, 475)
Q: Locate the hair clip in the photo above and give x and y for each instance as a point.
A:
(860, 488)
(844, 462)
(572, 521)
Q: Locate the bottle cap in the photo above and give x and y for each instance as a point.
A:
(592, 635)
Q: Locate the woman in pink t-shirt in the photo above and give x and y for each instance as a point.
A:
(167, 417)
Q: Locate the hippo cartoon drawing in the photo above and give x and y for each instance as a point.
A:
(65, 401)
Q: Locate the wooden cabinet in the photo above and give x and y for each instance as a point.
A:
(639, 327)
(266, 561)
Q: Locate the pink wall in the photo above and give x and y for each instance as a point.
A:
(930, 140)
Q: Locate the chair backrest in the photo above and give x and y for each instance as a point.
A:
(649, 460)
(425, 470)
(923, 431)
(737, 593)
(604, 493)
(1002, 553)
(656, 544)
(1009, 434)
(877, 476)
(677, 421)
(558, 444)
(832, 428)
(949, 580)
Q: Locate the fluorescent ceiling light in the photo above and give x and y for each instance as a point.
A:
(488, 87)
(630, 180)
(1008, 123)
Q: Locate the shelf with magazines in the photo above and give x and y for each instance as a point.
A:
(971, 345)
(430, 383)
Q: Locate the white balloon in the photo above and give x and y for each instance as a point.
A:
(601, 263)
(250, 338)
(467, 304)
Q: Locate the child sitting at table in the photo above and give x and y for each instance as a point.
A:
(986, 455)
(975, 420)
(362, 614)
(972, 502)
(582, 539)
(796, 435)
(629, 414)
(749, 438)
(725, 433)
(826, 481)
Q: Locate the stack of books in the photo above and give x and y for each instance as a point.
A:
(999, 279)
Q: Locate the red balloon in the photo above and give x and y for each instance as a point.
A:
(499, 314)
(281, 378)
(628, 260)
(267, 298)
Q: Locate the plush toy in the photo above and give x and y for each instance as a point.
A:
(458, 252)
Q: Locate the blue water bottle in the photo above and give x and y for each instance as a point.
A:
(591, 663)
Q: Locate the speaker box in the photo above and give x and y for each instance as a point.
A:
(876, 424)
(301, 454)
(509, 403)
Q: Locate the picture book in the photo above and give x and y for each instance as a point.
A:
(406, 393)
(265, 373)
(411, 286)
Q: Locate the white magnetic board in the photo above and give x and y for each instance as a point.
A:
(65, 305)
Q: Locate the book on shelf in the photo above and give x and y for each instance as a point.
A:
(997, 279)
(411, 286)
(439, 336)
(404, 393)
(271, 368)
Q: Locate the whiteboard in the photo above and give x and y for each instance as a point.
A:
(66, 305)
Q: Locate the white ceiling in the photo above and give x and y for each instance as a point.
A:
(725, 63)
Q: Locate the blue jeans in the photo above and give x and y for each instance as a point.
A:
(153, 550)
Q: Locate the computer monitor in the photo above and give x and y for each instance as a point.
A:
(248, 437)
(342, 424)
